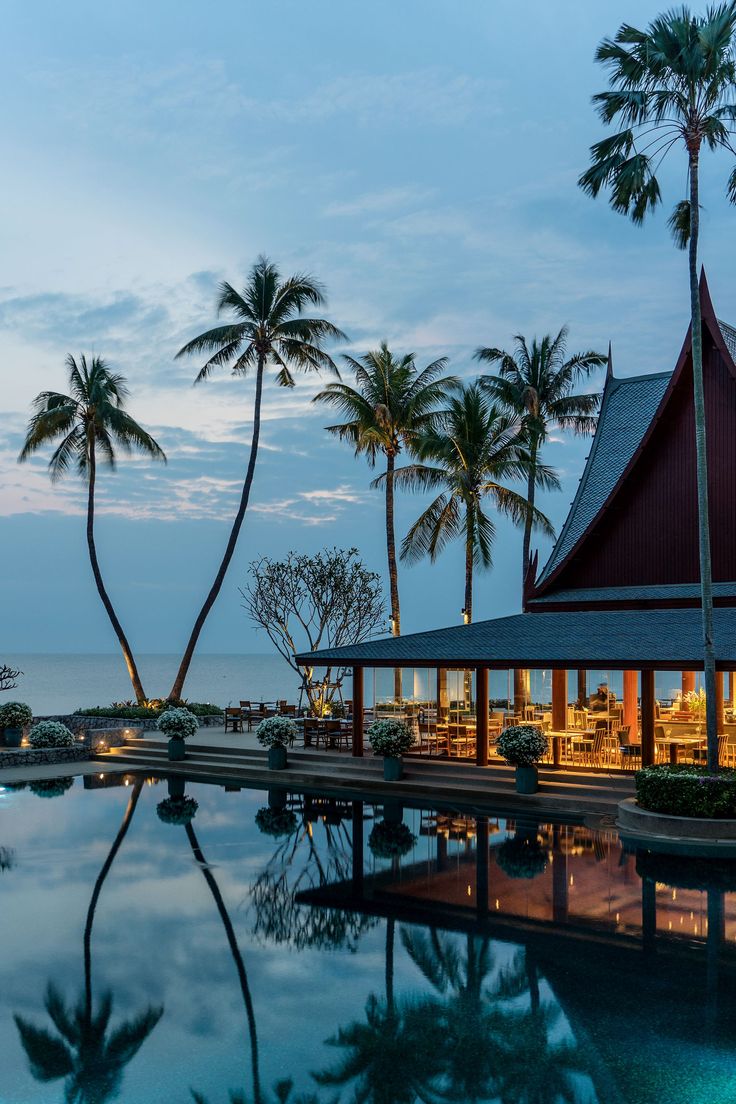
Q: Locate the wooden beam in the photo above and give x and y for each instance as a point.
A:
(358, 711)
(647, 718)
(631, 702)
(559, 700)
(481, 716)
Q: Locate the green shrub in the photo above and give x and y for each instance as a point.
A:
(687, 871)
(51, 734)
(51, 787)
(15, 715)
(687, 791)
(276, 822)
(390, 738)
(391, 841)
(129, 711)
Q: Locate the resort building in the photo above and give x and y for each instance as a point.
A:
(616, 605)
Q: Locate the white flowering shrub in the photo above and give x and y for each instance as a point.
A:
(15, 715)
(275, 732)
(390, 738)
(177, 722)
(522, 745)
(51, 734)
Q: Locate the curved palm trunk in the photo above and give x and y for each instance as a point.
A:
(469, 543)
(117, 627)
(237, 957)
(531, 490)
(706, 579)
(393, 571)
(117, 843)
(177, 689)
(390, 939)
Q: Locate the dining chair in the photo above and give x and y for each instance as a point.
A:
(234, 718)
(630, 753)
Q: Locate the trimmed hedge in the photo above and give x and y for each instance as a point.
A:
(687, 871)
(687, 791)
(140, 712)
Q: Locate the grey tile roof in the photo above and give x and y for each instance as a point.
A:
(626, 412)
(729, 336)
(660, 638)
(660, 593)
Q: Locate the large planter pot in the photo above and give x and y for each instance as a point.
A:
(527, 780)
(393, 768)
(13, 736)
(277, 758)
(177, 750)
(176, 786)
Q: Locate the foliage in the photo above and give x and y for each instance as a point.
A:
(15, 715)
(276, 822)
(50, 734)
(522, 745)
(687, 871)
(282, 1094)
(390, 737)
(51, 787)
(336, 710)
(389, 840)
(522, 856)
(683, 790)
(276, 732)
(7, 859)
(8, 677)
(129, 711)
(694, 701)
(177, 722)
(177, 810)
(305, 603)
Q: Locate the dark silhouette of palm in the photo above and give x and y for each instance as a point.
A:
(536, 384)
(84, 1050)
(267, 327)
(90, 423)
(471, 1036)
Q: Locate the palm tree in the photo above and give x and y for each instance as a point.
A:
(391, 403)
(91, 421)
(474, 447)
(672, 85)
(536, 384)
(267, 327)
(91, 1060)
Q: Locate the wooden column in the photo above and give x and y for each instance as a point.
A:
(358, 848)
(631, 703)
(648, 914)
(358, 711)
(559, 876)
(481, 716)
(481, 866)
(582, 689)
(688, 681)
(647, 718)
(522, 695)
(720, 710)
(559, 700)
(729, 687)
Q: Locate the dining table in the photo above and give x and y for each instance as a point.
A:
(674, 743)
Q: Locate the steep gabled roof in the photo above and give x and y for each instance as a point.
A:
(626, 413)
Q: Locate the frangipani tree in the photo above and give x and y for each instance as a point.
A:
(672, 86)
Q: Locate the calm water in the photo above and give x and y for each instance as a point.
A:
(512, 963)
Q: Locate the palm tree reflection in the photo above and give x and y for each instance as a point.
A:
(83, 1049)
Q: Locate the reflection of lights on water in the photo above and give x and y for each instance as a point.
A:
(572, 880)
(497, 905)
(469, 892)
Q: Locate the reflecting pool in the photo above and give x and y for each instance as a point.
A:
(171, 942)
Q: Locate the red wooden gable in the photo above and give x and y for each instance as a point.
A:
(646, 532)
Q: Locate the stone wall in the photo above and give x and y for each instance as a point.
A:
(114, 731)
(34, 757)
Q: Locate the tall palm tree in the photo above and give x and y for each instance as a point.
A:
(391, 403)
(475, 446)
(91, 1059)
(536, 384)
(672, 84)
(267, 328)
(91, 422)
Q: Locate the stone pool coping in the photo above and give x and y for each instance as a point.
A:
(642, 825)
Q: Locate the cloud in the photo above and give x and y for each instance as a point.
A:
(370, 203)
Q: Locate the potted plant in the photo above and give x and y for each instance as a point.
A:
(276, 822)
(522, 746)
(389, 840)
(522, 856)
(177, 810)
(275, 734)
(391, 739)
(177, 724)
(51, 734)
(14, 716)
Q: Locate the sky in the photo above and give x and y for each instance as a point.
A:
(420, 158)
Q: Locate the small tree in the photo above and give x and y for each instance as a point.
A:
(9, 677)
(309, 602)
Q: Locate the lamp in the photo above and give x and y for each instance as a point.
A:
(466, 616)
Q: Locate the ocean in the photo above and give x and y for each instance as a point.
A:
(53, 683)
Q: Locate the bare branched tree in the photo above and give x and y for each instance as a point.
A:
(9, 677)
(305, 603)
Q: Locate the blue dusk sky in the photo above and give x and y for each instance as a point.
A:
(419, 157)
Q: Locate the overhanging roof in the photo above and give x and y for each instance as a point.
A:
(662, 639)
(661, 594)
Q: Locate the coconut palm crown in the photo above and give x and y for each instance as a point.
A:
(536, 383)
(392, 401)
(90, 424)
(476, 446)
(672, 85)
(267, 328)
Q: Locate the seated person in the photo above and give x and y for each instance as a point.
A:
(599, 701)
